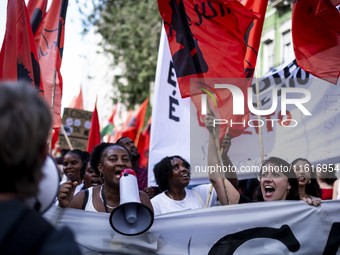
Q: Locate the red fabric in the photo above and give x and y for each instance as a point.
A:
(206, 40)
(94, 136)
(316, 38)
(136, 123)
(144, 144)
(55, 136)
(326, 194)
(18, 57)
(253, 35)
(77, 101)
(36, 10)
(118, 133)
(111, 119)
(50, 54)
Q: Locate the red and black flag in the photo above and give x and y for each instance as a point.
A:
(316, 37)
(50, 53)
(36, 10)
(253, 36)
(18, 57)
(206, 39)
(135, 125)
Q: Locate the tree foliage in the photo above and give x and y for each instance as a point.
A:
(131, 32)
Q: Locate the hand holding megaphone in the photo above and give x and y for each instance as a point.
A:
(131, 217)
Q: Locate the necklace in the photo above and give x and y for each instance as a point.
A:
(102, 197)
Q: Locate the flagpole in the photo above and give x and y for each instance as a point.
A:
(52, 106)
(137, 136)
(66, 137)
(259, 116)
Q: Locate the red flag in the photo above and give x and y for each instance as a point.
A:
(18, 57)
(135, 125)
(50, 54)
(316, 37)
(94, 136)
(118, 133)
(77, 101)
(253, 35)
(36, 10)
(55, 137)
(206, 40)
(144, 144)
(111, 119)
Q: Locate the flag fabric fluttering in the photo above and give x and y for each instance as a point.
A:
(94, 136)
(111, 118)
(316, 37)
(144, 144)
(36, 10)
(18, 57)
(108, 128)
(206, 40)
(77, 101)
(117, 133)
(135, 125)
(253, 36)
(50, 53)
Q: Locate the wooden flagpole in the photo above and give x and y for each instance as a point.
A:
(259, 116)
(52, 106)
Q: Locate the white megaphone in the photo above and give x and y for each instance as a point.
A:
(48, 187)
(131, 217)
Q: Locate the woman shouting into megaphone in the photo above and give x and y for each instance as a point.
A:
(108, 160)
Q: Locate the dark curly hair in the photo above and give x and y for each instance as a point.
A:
(163, 169)
(293, 181)
(98, 152)
(312, 188)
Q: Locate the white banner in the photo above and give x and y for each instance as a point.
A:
(280, 227)
(315, 137)
(170, 131)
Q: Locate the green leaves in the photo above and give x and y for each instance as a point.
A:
(131, 31)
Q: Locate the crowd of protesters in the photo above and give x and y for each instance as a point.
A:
(172, 175)
(91, 181)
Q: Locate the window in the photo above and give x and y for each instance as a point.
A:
(268, 55)
(287, 50)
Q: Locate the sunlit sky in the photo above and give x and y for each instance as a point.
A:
(75, 48)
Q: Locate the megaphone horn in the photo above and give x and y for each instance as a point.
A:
(131, 217)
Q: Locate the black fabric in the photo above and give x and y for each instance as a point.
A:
(244, 199)
(86, 197)
(26, 231)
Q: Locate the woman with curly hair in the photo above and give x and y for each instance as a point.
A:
(172, 175)
(308, 185)
(109, 159)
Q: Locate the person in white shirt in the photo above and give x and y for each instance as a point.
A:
(173, 176)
